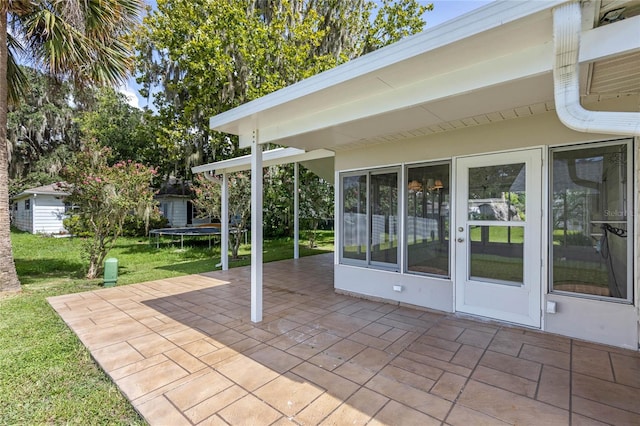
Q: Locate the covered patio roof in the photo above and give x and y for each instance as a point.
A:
(319, 161)
(272, 157)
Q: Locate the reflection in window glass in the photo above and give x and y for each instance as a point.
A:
(497, 192)
(590, 221)
(497, 253)
(427, 225)
(384, 218)
(354, 201)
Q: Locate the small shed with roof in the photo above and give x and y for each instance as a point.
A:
(40, 210)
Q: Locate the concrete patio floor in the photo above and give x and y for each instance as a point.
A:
(184, 351)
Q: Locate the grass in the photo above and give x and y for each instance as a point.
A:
(46, 375)
(499, 234)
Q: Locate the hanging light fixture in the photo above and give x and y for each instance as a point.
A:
(415, 186)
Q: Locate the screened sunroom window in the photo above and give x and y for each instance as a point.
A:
(370, 218)
(591, 221)
(427, 223)
(354, 215)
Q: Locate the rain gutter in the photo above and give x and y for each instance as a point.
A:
(566, 38)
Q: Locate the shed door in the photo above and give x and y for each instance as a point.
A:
(498, 236)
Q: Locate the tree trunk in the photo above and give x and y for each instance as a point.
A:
(8, 276)
(313, 233)
(93, 270)
(235, 247)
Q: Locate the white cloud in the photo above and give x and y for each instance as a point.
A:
(131, 95)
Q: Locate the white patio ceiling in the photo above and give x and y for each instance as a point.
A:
(490, 65)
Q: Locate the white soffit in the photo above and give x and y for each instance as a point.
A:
(272, 157)
(616, 75)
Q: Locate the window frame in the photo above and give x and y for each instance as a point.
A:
(406, 230)
(399, 222)
(631, 225)
(368, 262)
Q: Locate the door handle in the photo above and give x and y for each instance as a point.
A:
(460, 240)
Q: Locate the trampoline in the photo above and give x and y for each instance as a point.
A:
(194, 231)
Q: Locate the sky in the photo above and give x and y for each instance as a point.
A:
(443, 10)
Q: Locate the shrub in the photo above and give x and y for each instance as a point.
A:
(76, 226)
(106, 196)
(135, 226)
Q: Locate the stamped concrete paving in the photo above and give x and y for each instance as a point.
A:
(184, 351)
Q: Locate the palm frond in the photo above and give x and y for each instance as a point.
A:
(21, 7)
(82, 40)
(18, 83)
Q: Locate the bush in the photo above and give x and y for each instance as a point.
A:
(76, 226)
(574, 238)
(133, 226)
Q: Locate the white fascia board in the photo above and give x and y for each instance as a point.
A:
(599, 43)
(243, 119)
(610, 40)
(233, 163)
(270, 158)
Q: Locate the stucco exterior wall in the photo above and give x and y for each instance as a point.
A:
(576, 317)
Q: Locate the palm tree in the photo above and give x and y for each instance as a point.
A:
(82, 41)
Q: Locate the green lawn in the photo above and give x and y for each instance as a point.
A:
(46, 375)
(499, 234)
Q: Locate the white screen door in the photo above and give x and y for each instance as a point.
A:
(498, 235)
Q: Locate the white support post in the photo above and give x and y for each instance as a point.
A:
(224, 223)
(256, 229)
(296, 213)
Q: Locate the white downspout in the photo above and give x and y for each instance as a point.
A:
(566, 38)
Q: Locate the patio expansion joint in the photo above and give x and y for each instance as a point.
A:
(613, 370)
(571, 348)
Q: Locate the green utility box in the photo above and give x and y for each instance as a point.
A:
(110, 272)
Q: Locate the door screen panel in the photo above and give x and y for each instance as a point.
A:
(497, 192)
(496, 253)
(496, 205)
